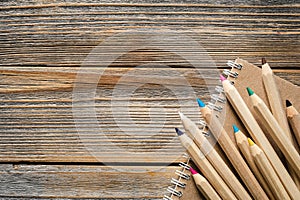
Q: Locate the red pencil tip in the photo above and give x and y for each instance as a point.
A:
(222, 78)
(193, 171)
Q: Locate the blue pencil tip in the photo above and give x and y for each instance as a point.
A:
(200, 103)
(235, 128)
(179, 132)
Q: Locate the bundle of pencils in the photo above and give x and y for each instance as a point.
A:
(258, 171)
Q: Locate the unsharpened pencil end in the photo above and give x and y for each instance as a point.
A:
(179, 132)
(288, 103)
(263, 61)
(222, 78)
(251, 143)
(200, 103)
(193, 171)
(250, 92)
(235, 128)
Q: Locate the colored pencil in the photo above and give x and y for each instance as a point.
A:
(204, 165)
(294, 119)
(259, 137)
(214, 158)
(204, 186)
(244, 147)
(232, 152)
(276, 132)
(276, 107)
(268, 172)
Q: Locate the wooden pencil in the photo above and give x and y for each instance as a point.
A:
(268, 172)
(294, 119)
(204, 186)
(275, 131)
(214, 158)
(259, 137)
(274, 99)
(232, 152)
(243, 144)
(204, 165)
(276, 107)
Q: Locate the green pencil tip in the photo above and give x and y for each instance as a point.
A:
(250, 92)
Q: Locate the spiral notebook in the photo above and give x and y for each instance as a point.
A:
(243, 74)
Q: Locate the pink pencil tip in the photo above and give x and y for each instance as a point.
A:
(193, 171)
(222, 78)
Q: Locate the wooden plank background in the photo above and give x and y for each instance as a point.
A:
(42, 46)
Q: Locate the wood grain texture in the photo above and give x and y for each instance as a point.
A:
(63, 181)
(42, 46)
(54, 33)
(37, 122)
(41, 127)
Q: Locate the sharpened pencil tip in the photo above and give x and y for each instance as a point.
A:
(222, 78)
(235, 128)
(288, 103)
(250, 92)
(181, 115)
(200, 103)
(263, 61)
(193, 171)
(251, 143)
(179, 132)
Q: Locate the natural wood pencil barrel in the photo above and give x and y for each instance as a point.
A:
(233, 154)
(276, 131)
(204, 186)
(275, 100)
(268, 172)
(244, 147)
(294, 120)
(214, 158)
(259, 137)
(278, 111)
(206, 168)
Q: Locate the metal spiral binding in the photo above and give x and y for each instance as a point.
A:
(202, 123)
(234, 65)
(185, 155)
(232, 74)
(177, 183)
(218, 97)
(206, 133)
(182, 174)
(215, 107)
(167, 198)
(174, 191)
(219, 89)
(184, 165)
